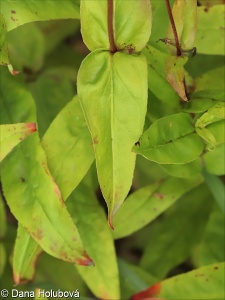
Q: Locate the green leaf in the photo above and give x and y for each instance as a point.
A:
(30, 53)
(171, 240)
(94, 25)
(214, 114)
(185, 18)
(17, 13)
(133, 279)
(202, 284)
(3, 221)
(212, 245)
(3, 258)
(25, 254)
(4, 55)
(174, 67)
(185, 170)
(170, 140)
(210, 33)
(197, 105)
(113, 95)
(149, 202)
(214, 160)
(211, 84)
(49, 223)
(157, 81)
(216, 186)
(12, 134)
(68, 147)
(90, 219)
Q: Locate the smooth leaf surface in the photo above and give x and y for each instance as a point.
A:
(214, 114)
(94, 26)
(185, 18)
(210, 33)
(214, 160)
(90, 219)
(185, 170)
(170, 140)
(211, 84)
(202, 284)
(17, 13)
(3, 220)
(212, 245)
(113, 94)
(157, 81)
(68, 147)
(198, 105)
(217, 188)
(3, 258)
(4, 55)
(26, 170)
(12, 134)
(25, 254)
(174, 67)
(171, 240)
(149, 202)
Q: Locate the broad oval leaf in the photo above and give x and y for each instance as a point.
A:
(149, 202)
(205, 283)
(94, 24)
(12, 134)
(185, 170)
(17, 13)
(170, 140)
(214, 160)
(113, 94)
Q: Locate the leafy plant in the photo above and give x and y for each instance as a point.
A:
(146, 127)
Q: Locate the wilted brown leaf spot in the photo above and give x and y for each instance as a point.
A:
(13, 11)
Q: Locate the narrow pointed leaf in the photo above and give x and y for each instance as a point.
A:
(205, 283)
(47, 221)
(25, 254)
(133, 37)
(170, 140)
(68, 146)
(17, 13)
(12, 134)
(149, 202)
(185, 18)
(113, 94)
(97, 238)
(174, 67)
(171, 240)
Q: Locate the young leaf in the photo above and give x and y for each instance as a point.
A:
(25, 254)
(96, 236)
(12, 134)
(203, 283)
(170, 140)
(133, 37)
(185, 18)
(147, 203)
(113, 95)
(68, 147)
(174, 67)
(17, 13)
(171, 240)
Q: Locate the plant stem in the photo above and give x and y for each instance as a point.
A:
(179, 52)
(113, 48)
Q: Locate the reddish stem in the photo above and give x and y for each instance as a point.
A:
(113, 48)
(179, 52)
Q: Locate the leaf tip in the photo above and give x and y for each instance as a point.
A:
(16, 279)
(110, 222)
(85, 260)
(12, 71)
(148, 293)
(32, 127)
